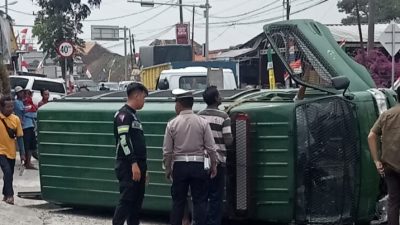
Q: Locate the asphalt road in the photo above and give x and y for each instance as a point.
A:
(36, 212)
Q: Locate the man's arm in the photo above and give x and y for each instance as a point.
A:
(210, 147)
(373, 138)
(123, 123)
(227, 132)
(168, 147)
(20, 141)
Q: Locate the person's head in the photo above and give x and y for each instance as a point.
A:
(102, 85)
(28, 93)
(183, 103)
(19, 92)
(45, 94)
(136, 93)
(211, 96)
(398, 94)
(6, 105)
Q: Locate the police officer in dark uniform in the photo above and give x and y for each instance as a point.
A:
(131, 164)
(190, 158)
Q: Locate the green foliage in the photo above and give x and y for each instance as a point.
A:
(387, 10)
(61, 20)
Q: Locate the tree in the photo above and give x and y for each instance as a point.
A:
(380, 67)
(385, 11)
(61, 20)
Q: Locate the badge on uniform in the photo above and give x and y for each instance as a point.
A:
(137, 125)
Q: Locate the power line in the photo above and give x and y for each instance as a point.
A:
(121, 17)
(236, 23)
(246, 13)
(148, 20)
(21, 12)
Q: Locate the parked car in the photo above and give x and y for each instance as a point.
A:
(86, 85)
(110, 86)
(124, 84)
(56, 87)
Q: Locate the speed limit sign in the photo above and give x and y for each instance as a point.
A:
(65, 49)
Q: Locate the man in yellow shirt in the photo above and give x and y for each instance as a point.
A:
(11, 132)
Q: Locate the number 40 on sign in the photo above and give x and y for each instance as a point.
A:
(65, 49)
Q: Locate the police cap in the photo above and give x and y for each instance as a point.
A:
(181, 93)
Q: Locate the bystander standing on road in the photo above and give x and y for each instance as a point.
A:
(29, 124)
(131, 165)
(19, 108)
(11, 132)
(387, 129)
(188, 146)
(45, 97)
(220, 125)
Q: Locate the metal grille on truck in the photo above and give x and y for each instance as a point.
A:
(328, 159)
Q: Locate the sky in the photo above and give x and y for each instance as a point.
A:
(232, 22)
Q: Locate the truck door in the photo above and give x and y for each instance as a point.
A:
(327, 161)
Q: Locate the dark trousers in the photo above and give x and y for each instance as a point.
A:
(393, 184)
(131, 194)
(215, 197)
(7, 165)
(193, 175)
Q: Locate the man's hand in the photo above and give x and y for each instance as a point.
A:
(168, 175)
(213, 172)
(22, 158)
(136, 174)
(379, 167)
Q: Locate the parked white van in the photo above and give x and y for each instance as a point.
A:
(196, 78)
(56, 87)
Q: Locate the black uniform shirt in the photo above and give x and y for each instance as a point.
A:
(129, 136)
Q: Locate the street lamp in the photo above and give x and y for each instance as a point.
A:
(205, 6)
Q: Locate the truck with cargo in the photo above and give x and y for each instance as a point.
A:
(293, 161)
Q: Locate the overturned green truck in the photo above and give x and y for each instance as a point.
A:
(303, 161)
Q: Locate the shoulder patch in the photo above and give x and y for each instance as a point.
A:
(137, 125)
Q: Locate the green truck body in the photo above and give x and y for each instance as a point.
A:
(292, 161)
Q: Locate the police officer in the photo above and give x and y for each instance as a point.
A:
(131, 164)
(188, 140)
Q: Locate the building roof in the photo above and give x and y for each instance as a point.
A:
(233, 53)
(350, 33)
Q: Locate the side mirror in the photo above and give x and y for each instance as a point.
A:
(341, 83)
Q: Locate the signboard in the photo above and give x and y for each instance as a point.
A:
(65, 49)
(105, 33)
(390, 39)
(182, 33)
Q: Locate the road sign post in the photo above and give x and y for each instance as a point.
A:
(65, 50)
(390, 40)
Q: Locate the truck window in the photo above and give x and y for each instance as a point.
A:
(51, 86)
(17, 81)
(193, 82)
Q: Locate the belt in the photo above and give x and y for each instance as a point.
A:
(188, 158)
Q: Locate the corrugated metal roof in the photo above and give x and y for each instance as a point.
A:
(233, 53)
(349, 33)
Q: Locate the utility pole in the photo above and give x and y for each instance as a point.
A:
(134, 49)
(130, 46)
(125, 58)
(193, 52)
(287, 9)
(371, 25)
(180, 11)
(6, 7)
(207, 14)
(360, 33)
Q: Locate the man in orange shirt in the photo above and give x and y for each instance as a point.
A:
(11, 132)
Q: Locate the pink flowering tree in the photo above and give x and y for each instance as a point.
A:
(380, 67)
